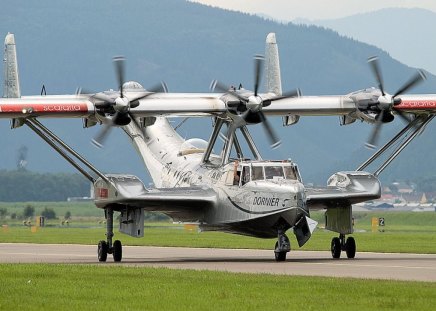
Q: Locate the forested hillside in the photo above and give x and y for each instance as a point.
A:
(25, 186)
(66, 44)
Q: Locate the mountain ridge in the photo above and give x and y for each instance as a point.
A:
(64, 45)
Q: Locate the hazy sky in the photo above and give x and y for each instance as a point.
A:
(287, 10)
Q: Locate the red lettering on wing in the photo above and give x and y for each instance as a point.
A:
(44, 108)
(417, 104)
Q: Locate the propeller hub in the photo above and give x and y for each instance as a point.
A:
(385, 102)
(254, 103)
(121, 104)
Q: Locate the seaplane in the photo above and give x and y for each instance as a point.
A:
(223, 184)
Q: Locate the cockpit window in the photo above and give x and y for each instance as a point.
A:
(257, 173)
(290, 173)
(273, 171)
(245, 175)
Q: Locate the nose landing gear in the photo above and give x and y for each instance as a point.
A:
(283, 246)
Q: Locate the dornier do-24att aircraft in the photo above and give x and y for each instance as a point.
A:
(254, 197)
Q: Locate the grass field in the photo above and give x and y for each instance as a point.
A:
(408, 242)
(110, 287)
(73, 287)
(404, 231)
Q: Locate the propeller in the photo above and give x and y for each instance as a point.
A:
(118, 105)
(252, 103)
(386, 103)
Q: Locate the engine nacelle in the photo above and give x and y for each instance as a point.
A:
(369, 106)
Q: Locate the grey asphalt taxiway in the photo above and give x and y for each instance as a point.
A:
(409, 267)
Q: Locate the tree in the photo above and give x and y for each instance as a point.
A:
(29, 211)
(48, 213)
(67, 215)
(3, 212)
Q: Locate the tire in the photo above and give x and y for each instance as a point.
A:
(336, 248)
(102, 251)
(280, 256)
(118, 251)
(350, 247)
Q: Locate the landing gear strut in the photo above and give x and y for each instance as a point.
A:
(106, 247)
(282, 247)
(339, 244)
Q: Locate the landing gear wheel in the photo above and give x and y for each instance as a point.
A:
(350, 247)
(336, 248)
(280, 256)
(102, 251)
(117, 251)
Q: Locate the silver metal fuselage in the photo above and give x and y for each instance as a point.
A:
(255, 208)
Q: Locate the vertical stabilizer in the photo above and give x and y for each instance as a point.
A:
(11, 88)
(272, 65)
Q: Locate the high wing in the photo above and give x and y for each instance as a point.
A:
(196, 104)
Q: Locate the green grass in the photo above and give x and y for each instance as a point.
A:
(170, 235)
(404, 232)
(104, 287)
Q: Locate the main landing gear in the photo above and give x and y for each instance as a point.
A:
(339, 244)
(106, 247)
(282, 247)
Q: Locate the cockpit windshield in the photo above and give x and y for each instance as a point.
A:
(268, 172)
(290, 173)
(257, 173)
(272, 172)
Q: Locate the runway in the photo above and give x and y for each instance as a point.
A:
(408, 267)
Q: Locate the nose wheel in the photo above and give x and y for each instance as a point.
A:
(283, 246)
(339, 244)
(106, 247)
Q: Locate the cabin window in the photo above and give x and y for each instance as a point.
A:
(257, 173)
(272, 172)
(245, 175)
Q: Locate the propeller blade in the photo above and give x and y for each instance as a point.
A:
(99, 140)
(158, 88)
(258, 65)
(274, 141)
(161, 87)
(372, 142)
(417, 78)
(216, 85)
(373, 62)
(119, 62)
(289, 94)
